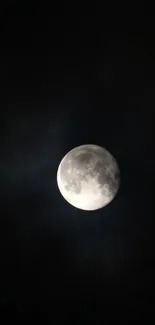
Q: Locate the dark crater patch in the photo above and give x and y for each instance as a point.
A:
(84, 158)
(117, 176)
(111, 181)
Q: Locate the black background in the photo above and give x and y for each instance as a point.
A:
(69, 78)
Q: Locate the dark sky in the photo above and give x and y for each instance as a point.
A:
(66, 80)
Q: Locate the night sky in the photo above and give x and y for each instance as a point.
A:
(67, 80)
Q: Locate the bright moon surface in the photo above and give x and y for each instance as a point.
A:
(88, 177)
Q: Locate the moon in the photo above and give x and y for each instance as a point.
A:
(88, 177)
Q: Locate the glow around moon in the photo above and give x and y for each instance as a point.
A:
(88, 177)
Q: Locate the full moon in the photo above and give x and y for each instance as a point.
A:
(88, 177)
